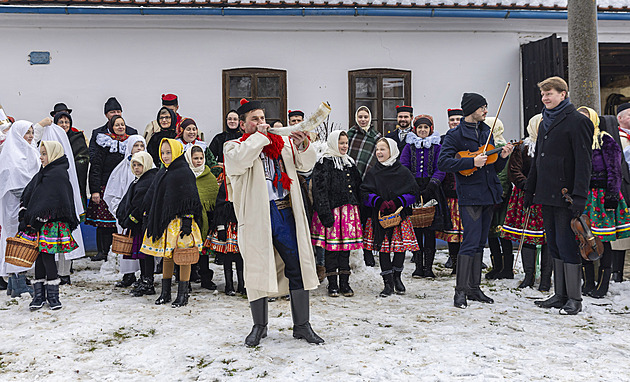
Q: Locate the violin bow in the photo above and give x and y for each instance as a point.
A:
(485, 147)
(520, 245)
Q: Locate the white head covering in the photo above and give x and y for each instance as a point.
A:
(532, 131)
(188, 155)
(122, 176)
(393, 151)
(356, 117)
(54, 150)
(145, 159)
(332, 152)
(498, 130)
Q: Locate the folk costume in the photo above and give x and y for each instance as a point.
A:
(48, 216)
(336, 221)
(514, 228)
(399, 135)
(605, 206)
(174, 213)
(111, 104)
(80, 154)
(208, 188)
(477, 194)
(420, 156)
(153, 146)
(154, 126)
(180, 136)
(216, 145)
(387, 187)
(273, 233)
(130, 215)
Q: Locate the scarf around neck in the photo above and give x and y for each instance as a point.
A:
(426, 143)
(393, 152)
(549, 115)
(332, 152)
(281, 180)
(196, 170)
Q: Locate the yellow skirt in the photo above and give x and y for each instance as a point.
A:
(163, 247)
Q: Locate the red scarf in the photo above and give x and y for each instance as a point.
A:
(623, 133)
(273, 151)
(117, 137)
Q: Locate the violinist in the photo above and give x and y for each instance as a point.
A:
(477, 193)
(562, 160)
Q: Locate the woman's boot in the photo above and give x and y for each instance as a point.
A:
(399, 287)
(546, 267)
(496, 257)
(507, 272)
(588, 274)
(229, 278)
(388, 280)
(165, 295)
(528, 256)
(260, 313)
(20, 286)
(429, 256)
(40, 295)
(419, 271)
(182, 294)
(344, 285)
(333, 287)
(52, 294)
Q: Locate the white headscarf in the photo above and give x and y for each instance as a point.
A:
(188, 155)
(332, 152)
(54, 150)
(122, 176)
(145, 159)
(498, 130)
(393, 151)
(532, 131)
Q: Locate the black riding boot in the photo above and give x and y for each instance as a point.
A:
(429, 256)
(605, 269)
(419, 271)
(399, 287)
(388, 280)
(260, 312)
(528, 256)
(464, 267)
(453, 251)
(474, 292)
(574, 296)
(300, 311)
(560, 290)
(619, 259)
(229, 277)
(182, 294)
(507, 272)
(496, 257)
(588, 273)
(546, 267)
(165, 296)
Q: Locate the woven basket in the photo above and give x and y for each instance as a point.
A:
(391, 220)
(186, 256)
(21, 252)
(422, 217)
(122, 244)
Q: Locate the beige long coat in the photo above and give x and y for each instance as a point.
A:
(263, 267)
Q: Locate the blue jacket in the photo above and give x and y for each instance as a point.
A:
(483, 186)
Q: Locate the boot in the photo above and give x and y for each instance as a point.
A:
(206, 280)
(229, 280)
(52, 294)
(218, 258)
(388, 280)
(333, 288)
(508, 263)
(528, 255)
(145, 287)
(572, 281)
(99, 246)
(321, 272)
(99, 256)
(448, 263)
(20, 286)
(165, 295)
(588, 273)
(602, 283)
(368, 258)
(464, 265)
(10, 284)
(65, 280)
(127, 280)
(344, 285)
(3, 284)
(240, 284)
(618, 261)
(454, 260)
(496, 257)
(182, 294)
(474, 292)
(40, 295)
(260, 311)
(429, 256)
(399, 287)
(419, 271)
(560, 292)
(300, 311)
(195, 277)
(546, 266)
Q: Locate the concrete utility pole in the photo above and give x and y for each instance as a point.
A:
(583, 54)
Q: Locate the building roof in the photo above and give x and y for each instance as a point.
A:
(560, 5)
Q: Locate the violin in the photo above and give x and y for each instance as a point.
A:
(591, 247)
(490, 151)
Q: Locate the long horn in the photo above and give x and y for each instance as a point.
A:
(308, 124)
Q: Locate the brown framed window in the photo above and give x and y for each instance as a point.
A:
(269, 86)
(380, 90)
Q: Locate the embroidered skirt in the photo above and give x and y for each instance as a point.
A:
(54, 237)
(608, 225)
(513, 226)
(213, 243)
(345, 235)
(163, 247)
(403, 238)
(98, 215)
(455, 234)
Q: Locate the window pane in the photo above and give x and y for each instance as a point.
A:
(393, 87)
(268, 87)
(389, 107)
(389, 126)
(240, 86)
(272, 108)
(365, 87)
(371, 104)
(235, 103)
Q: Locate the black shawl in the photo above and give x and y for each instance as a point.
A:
(223, 210)
(81, 160)
(153, 146)
(49, 197)
(132, 202)
(216, 146)
(388, 182)
(172, 194)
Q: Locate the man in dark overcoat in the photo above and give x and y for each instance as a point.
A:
(404, 116)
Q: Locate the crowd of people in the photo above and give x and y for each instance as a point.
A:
(172, 193)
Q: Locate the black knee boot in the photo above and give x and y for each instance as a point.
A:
(333, 287)
(165, 295)
(229, 277)
(528, 256)
(605, 269)
(546, 267)
(572, 279)
(464, 268)
(419, 271)
(560, 290)
(388, 280)
(474, 292)
(588, 274)
(240, 283)
(619, 258)
(182, 294)
(496, 257)
(507, 253)
(429, 256)
(300, 311)
(260, 312)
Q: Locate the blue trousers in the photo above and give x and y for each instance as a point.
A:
(560, 237)
(285, 241)
(476, 222)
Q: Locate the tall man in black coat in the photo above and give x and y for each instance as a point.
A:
(477, 194)
(563, 160)
(404, 115)
(112, 108)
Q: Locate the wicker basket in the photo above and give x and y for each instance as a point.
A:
(391, 220)
(186, 256)
(122, 244)
(422, 217)
(21, 252)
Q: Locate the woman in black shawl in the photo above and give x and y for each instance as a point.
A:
(230, 132)
(168, 122)
(48, 217)
(387, 187)
(79, 151)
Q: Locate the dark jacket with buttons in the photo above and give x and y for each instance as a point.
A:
(483, 186)
(396, 137)
(563, 159)
(334, 188)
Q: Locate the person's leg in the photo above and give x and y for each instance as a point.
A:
(604, 272)
(398, 266)
(528, 256)
(39, 292)
(182, 286)
(417, 257)
(320, 262)
(52, 281)
(63, 267)
(546, 267)
(385, 261)
(453, 251)
(240, 285)
(496, 257)
(332, 266)
(168, 266)
(344, 273)
(205, 273)
(619, 258)
(429, 252)
(570, 255)
(507, 254)
(588, 276)
(228, 273)
(559, 284)
(474, 292)
(471, 217)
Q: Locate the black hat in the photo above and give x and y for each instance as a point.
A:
(60, 107)
(247, 106)
(421, 120)
(112, 104)
(404, 108)
(60, 114)
(293, 113)
(471, 102)
(623, 107)
(452, 112)
(169, 100)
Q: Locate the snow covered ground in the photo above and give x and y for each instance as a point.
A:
(104, 334)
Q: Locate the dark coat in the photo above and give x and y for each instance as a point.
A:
(609, 124)
(394, 135)
(606, 172)
(483, 186)
(102, 164)
(216, 146)
(518, 166)
(130, 212)
(81, 160)
(563, 159)
(103, 129)
(334, 188)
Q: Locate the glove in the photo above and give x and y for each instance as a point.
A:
(433, 186)
(577, 208)
(327, 220)
(528, 200)
(186, 227)
(387, 207)
(22, 226)
(610, 204)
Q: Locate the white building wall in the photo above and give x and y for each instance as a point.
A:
(137, 58)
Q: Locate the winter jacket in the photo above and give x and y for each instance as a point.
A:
(518, 167)
(426, 161)
(334, 188)
(102, 163)
(396, 137)
(93, 148)
(609, 124)
(606, 171)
